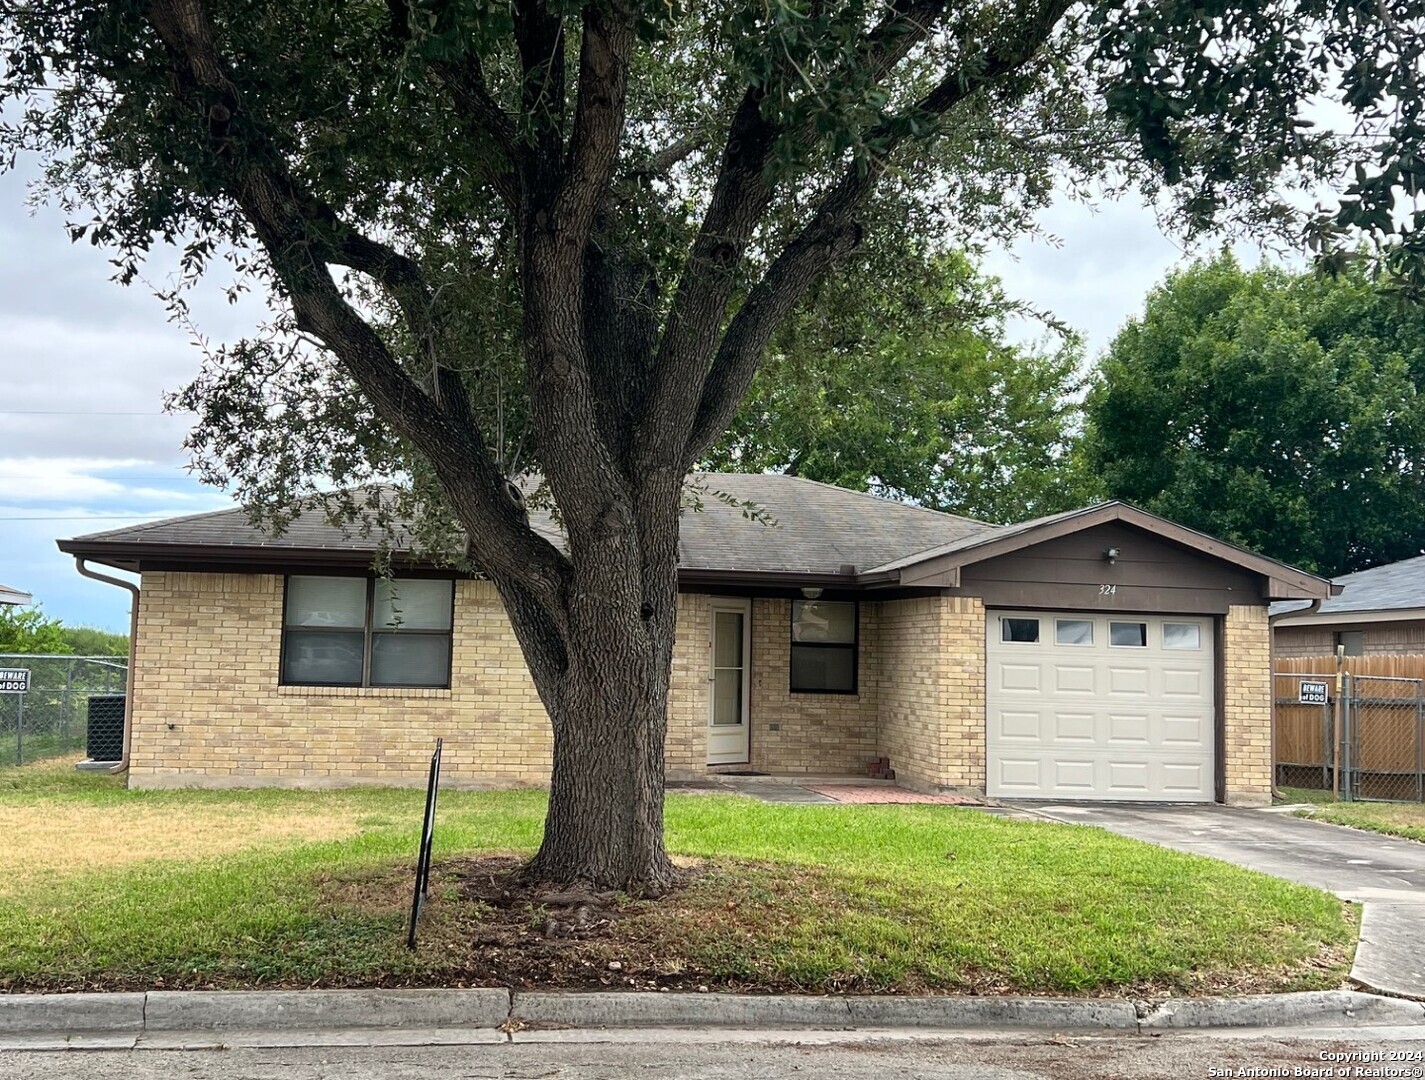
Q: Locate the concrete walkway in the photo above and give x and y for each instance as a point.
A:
(1384, 873)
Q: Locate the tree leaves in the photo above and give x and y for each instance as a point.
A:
(1283, 412)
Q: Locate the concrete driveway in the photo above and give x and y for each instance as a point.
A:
(1385, 874)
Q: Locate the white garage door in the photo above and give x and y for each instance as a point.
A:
(1100, 706)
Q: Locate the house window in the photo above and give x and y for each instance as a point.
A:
(1353, 640)
(823, 647)
(339, 631)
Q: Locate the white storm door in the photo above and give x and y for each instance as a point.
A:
(731, 655)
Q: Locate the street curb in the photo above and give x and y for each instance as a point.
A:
(26, 1013)
(165, 1013)
(1323, 1007)
(323, 1010)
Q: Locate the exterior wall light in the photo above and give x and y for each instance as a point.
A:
(811, 592)
(1111, 555)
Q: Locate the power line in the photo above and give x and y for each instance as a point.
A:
(72, 412)
(96, 517)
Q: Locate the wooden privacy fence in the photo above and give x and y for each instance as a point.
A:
(1374, 734)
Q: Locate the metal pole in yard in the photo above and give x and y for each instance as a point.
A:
(1327, 709)
(20, 730)
(1419, 740)
(68, 699)
(1337, 725)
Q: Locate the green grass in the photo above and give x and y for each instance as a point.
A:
(1393, 819)
(1312, 796)
(816, 898)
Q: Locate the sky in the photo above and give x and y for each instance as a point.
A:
(84, 444)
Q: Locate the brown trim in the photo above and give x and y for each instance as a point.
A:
(1283, 582)
(1219, 709)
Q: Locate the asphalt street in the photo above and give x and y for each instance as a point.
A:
(676, 1056)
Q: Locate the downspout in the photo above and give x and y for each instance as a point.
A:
(123, 764)
(1272, 662)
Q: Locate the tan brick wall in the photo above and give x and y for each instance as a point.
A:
(208, 709)
(1247, 705)
(932, 693)
(685, 754)
(809, 734)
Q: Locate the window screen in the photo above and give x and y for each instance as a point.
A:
(823, 658)
(347, 631)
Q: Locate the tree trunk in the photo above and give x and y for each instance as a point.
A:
(604, 683)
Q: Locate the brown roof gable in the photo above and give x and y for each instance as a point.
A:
(940, 565)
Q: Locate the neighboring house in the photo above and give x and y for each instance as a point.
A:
(1380, 610)
(14, 596)
(1103, 653)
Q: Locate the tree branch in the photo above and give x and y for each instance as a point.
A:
(833, 231)
(471, 94)
(299, 244)
(741, 196)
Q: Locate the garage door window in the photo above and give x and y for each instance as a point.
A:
(1023, 631)
(1073, 631)
(1182, 635)
(1132, 635)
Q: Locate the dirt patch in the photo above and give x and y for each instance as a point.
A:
(52, 838)
(721, 928)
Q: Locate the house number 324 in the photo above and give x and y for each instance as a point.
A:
(1107, 590)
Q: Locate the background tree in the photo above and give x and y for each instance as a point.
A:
(91, 641)
(648, 190)
(894, 376)
(1285, 412)
(28, 630)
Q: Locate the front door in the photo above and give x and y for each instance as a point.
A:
(731, 658)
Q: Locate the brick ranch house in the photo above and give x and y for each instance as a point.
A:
(1380, 610)
(1102, 653)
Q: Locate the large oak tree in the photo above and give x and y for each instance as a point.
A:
(616, 202)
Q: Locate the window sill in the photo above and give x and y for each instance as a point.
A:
(364, 692)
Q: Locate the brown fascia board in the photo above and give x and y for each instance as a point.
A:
(1283, 582)
(127, 555)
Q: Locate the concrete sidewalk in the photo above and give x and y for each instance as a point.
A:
(1384, 873)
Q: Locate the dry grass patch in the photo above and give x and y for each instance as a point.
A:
(46, 839)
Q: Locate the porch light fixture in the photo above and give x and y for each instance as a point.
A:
(1111, 555)
(811, 592)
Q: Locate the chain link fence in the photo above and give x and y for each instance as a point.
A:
(1369, 739)
(1384, 739)
(71, 705)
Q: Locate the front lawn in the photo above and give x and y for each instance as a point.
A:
(1392, 819)
(105, 888)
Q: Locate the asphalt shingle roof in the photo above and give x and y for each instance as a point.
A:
(1381, 588)
(813, 528)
